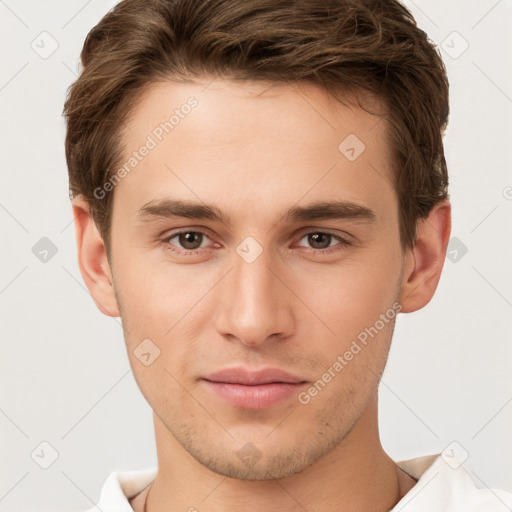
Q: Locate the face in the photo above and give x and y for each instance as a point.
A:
(252, 270)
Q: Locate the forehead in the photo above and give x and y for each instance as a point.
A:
(245, 105)
(253, 145)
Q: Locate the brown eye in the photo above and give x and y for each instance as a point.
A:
(319, 240)
(190, 240)
(186, 240)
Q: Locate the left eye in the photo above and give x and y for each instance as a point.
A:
(321, 240)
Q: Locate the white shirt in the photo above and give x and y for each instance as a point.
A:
(441, 487)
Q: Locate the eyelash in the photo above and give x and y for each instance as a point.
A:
(185, 252)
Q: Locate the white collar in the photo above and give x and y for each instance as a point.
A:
(438, 485)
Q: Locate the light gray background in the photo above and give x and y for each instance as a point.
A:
(65, 376)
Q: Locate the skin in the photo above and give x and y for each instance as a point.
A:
(254, 150)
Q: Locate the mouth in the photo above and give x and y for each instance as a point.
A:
(253, 389)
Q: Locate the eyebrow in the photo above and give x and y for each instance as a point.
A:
(324, 210)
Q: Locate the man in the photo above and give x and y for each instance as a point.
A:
(259, 189)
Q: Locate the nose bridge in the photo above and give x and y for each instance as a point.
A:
(254, 282)
(253, 305)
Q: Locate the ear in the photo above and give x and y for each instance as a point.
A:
(424, 262)
(92, 259)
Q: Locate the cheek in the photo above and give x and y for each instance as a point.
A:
(352, 295)
(164, 302)
(153, 287)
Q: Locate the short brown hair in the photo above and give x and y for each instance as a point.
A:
(340, 45)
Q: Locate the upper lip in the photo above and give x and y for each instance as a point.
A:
(249, 377)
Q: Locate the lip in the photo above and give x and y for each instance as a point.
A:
(253, 389)
(253, 378)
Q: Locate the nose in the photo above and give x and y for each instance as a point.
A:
(255, 306)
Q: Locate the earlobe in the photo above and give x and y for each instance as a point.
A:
(92, 259)
(424, 262)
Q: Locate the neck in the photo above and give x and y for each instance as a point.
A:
(357, 475)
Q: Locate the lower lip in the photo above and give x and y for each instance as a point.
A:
(254, 397)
